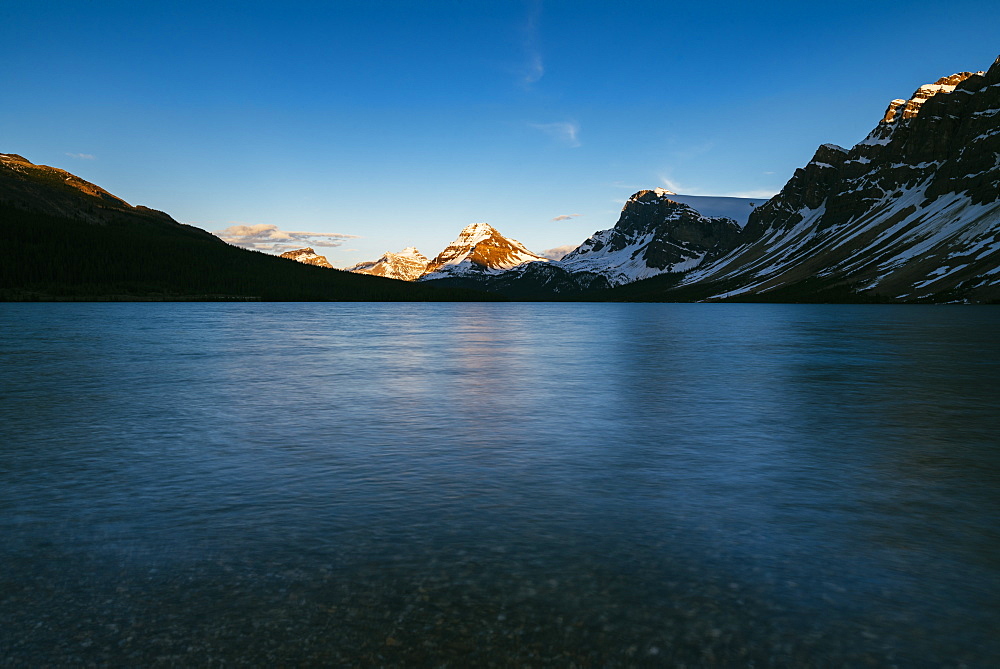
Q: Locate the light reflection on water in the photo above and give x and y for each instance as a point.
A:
(731, 483)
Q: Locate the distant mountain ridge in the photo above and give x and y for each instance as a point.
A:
(478, 251)
(307, 256)
(911, 213)
(68, 239)
(407, 265)
(638, 247)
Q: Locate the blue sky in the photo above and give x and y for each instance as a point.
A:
(398, 123)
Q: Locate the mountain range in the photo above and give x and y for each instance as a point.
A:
(909, 214)
(68, 239)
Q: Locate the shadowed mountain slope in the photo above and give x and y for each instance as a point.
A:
(65, 238)
(911, 213)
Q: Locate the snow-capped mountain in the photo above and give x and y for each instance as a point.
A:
(483, 259)
(407, 265)
(654, 235)
(308, 257)
(66, 238)
(479, 250)
(912, 212)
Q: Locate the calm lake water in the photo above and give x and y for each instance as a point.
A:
(499, 484)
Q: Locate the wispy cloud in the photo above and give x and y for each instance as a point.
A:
(265, 237)
(81, 156)
(534, 67)
(681, 189)
(566, 217)
(674, 186)
(565, 132)
(558, 252)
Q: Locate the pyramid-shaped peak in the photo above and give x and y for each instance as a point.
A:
(474, 233)
(478, 228)
(410, 253)
(481, 248)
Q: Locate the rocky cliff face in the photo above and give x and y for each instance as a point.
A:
(307, 257)
(478, 250)
(912, 212)
(907, 109)
(407, 265)
(654, 235)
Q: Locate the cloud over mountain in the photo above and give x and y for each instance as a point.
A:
(267, 237)
(558, 252)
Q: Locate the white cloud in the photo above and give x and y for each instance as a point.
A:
(558, 252)
(81, 156)
(565, 132)
(566, 217)
(265, 237)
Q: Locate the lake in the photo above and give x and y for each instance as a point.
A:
(499, 484)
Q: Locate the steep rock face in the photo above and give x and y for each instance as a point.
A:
(911, 212)
(406, 265)
(906, 109)
(308, 257)
(478, 250)
(654, 235)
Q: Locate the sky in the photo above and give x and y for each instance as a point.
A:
(369, 126)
